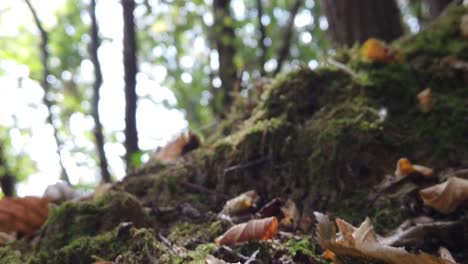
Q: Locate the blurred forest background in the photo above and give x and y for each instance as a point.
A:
(90, 88)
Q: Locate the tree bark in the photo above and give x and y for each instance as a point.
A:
(46, 87)
(356, 21)
(224, 43)
(130, 68)
(287, 37)
(436, 7)
(7, 180)
(98, 135)
(261, 38)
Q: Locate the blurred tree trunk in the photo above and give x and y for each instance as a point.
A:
(224, 38)
(356, 21)
(7, 180)
(436, 7)
(283, 52)
(98, 135)
(46, 87)
(261, 38)
(130, 68)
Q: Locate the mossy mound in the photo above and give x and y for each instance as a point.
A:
(323, 138)
(72, 221)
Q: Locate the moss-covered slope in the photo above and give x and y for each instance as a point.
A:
(321, 137)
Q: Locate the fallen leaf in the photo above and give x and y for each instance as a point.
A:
(256, 229)
(362, 243)
(272, 208)
(178, 147)
(446, 197)
(240, 204)
(377, 50)
(404, 168)
(426, 100)
(23, 215)
(445, 254)
(291, 215)
(210, 259)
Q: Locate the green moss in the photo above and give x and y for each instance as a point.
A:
(440, 39)
(189, 234)
(130, 245)
(10, 256)
(73, 220)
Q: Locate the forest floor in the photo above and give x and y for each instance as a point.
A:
(325, 140)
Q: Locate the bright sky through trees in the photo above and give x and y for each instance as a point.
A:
(156, 124)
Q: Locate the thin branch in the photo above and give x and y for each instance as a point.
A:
(261, 39)
(287, 38)
(46, 87)
(98, 135)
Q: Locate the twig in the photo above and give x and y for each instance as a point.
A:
(252, 257)
(202, 189)
(342, 67)
(243, 166)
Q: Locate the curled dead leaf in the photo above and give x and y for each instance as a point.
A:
(378, 51)
(291, 215)
(426, 100)
(445, 254)
(256, 229)
(362, 243)
(178, 147)
(210, 259)
(240, 204)
(447, 196)
(23, 215)
(60, 192)
(404, 168)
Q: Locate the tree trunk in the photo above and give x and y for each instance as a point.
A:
(7, 181)
(46, 87)
(98, 135)
(436, 7)
(356, 21)
(130, 68)
(287, 37)
(224, 41)
(261, 39)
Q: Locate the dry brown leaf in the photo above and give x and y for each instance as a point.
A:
(446, 197)
(363, 243)
(445, 254)
(291, 215)
(209, 259)
(404, 168)
(178, 147)
(240, 204)
(256, 229)
(23, 215)
(377, 50)
(426, 100)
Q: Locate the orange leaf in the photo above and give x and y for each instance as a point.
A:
(23, 215)
(178, 147)
(404, 168)
(376, 50)
(426, 100)
(257, 229)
